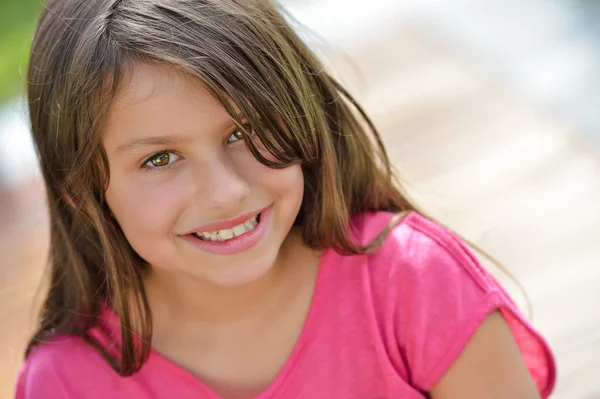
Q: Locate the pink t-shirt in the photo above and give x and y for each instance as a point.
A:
(385, 325)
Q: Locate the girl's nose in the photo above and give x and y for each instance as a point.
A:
(221, 185)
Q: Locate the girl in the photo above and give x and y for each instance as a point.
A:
(225, 223)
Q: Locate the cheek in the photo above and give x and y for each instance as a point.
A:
(145, 207)
(286, 184)
(287, 181)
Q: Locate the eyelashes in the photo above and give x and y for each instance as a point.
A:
(165, 159)
(161, 160)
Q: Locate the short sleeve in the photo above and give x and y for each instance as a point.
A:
(444, 296)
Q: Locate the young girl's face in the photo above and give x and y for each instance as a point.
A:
(185, 189)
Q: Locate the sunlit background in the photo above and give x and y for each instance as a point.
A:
(490, 110)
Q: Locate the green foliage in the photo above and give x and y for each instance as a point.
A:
(17, 23)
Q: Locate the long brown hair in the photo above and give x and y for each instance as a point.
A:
(246, 54)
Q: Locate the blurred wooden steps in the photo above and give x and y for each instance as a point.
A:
(507, 176)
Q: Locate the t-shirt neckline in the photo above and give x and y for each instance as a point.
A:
(158, 361)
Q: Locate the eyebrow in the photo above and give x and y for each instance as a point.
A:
(162, 140)
(151, 141)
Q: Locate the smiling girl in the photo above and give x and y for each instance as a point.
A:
(225, 224)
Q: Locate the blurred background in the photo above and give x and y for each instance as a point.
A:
(490, 111)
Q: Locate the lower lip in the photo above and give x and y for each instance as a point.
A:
(237, 244)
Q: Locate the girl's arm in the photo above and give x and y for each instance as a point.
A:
(490, 366)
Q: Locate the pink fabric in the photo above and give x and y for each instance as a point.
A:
(385, 325)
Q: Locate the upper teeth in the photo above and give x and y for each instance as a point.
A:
(228, 234)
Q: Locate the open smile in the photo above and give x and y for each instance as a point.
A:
(229, 234)
(233, 236)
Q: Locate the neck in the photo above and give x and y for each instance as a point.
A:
(178, 300)
(185, 298)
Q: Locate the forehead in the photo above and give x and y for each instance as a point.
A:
(144, 83)
(155, 100)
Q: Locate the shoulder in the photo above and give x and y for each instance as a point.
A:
(57, 354)
(423, 272)
(431, 291)
(407, 230)
(57, 368)
(420, 247)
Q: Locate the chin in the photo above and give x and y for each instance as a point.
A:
(236, 275)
